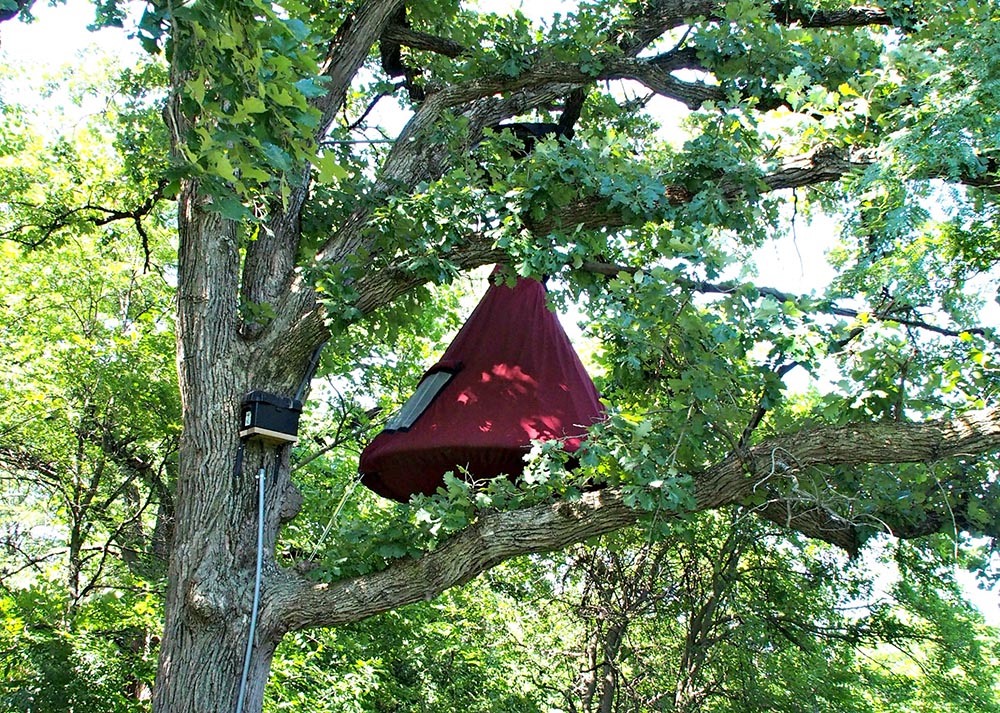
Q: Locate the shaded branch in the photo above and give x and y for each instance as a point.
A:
(804, 303)
(270, 260)
(857, 16)
(989, 179)
(15, 459)
(495, 538)
(414, 39)
(655, 75)
(358, 33)
(659, 16)
(393, 62)
(96, 215)
(645, 28)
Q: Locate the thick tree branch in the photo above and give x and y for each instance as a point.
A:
(655, 74)
(823, 164)
(645, 27)
(416, 156)
(497, 536)
(788, 13)
(544, 74)
(659, 16)
(417, 40)
(989, 179)
(358, 33)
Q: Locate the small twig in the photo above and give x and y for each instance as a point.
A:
(371, 106)
(762, 410)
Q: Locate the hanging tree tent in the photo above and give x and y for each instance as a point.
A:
(510, 376)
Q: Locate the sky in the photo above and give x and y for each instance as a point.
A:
(794, 264)
(57, 35)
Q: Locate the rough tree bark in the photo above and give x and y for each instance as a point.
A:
(220, 358)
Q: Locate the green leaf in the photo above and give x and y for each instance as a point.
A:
(253, 105)
(329, 168)
(231, 208)
(311, 87)
(277, 157)
(196, 89)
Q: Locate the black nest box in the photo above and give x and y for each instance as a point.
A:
(270, 418)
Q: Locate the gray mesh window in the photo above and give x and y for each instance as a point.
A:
(430, 386)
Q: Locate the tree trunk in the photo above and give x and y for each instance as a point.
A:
(202, 670)
(213, 558)
(609, 682)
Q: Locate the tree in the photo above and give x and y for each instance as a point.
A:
(293, 235)
(729, 614)
(91, 418)
(86, 464)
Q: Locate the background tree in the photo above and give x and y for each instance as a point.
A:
(91, 418)
(292, 236)
(727, 614)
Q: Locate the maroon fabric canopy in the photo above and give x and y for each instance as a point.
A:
(509, 377)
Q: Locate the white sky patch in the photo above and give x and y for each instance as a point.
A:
(987, 601)
(57, 36)
(537, 10)
(798, 262)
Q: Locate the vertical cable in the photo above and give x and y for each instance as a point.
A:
(261, 480)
